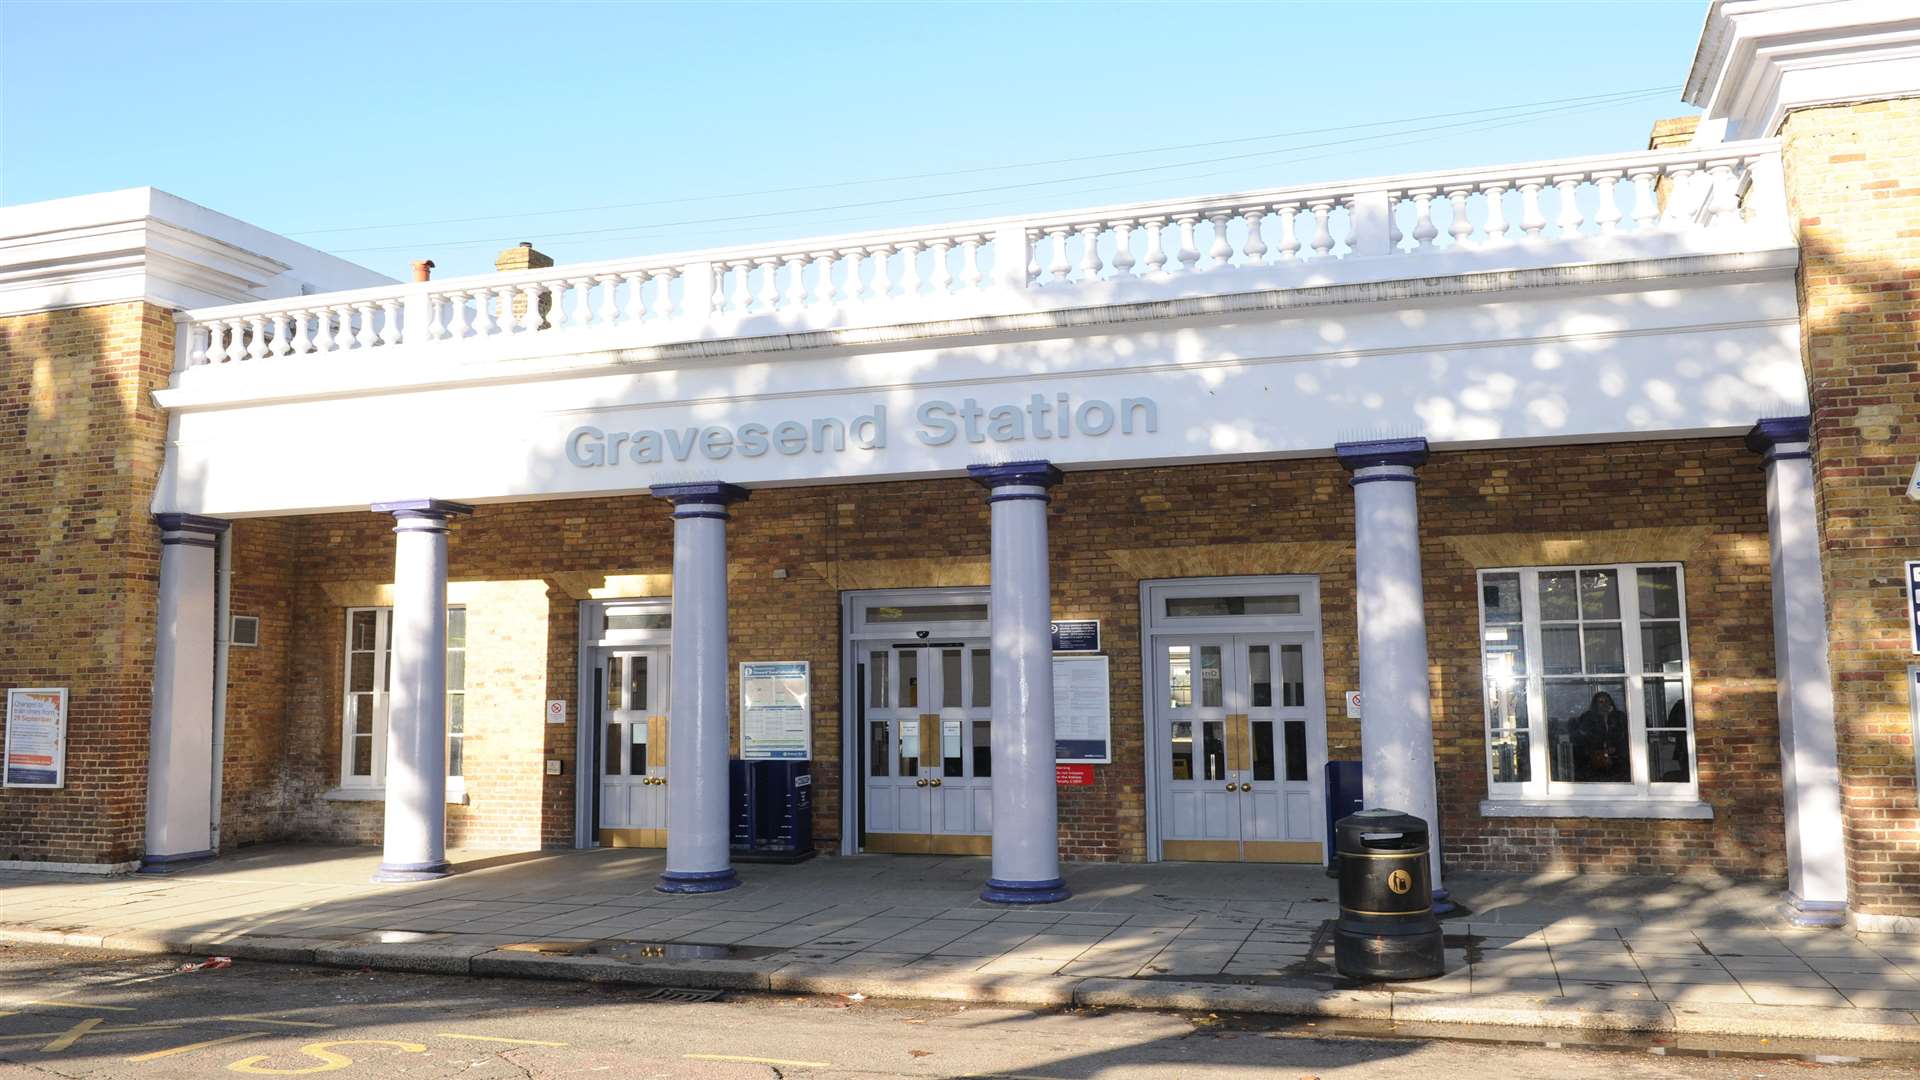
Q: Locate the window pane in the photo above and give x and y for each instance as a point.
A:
(637, 686)
(612, 754)
(360, 671)
(1557, 600)
(456, 628)
(950, 688)
(982, 679)
(909, 747)
(1560, 646)
(982, 748)
(877, 680)
(1179, 676)
(1201, 607)
(1500, 597)
(639, 620)
(456, 669)
(879, 754)
(1600, 594)
(951, 732)
(909, 680)
(1504, 650)
(1263, 750)
(1587, 732)
(1666, 701)
(1181, 737)
(637, 750)
(1296, 750)
(364, 624)
(928, 613)
(456, 757)
(456, 714)
(1214, 750)
(1210, 688)
(1260, 674)
(363, 714)
(1667, 757)
(363, 755)
(1660, 651)
(1507, 704)
(1659, 592)
(1508, 753)
(1293, 677)
(1606, 650)
(616, 681)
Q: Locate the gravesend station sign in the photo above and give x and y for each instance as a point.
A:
(938, 422)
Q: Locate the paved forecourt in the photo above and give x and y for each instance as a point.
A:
(1586, 952)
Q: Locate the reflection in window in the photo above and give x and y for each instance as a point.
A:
(879, 749)
(982, 678)
(1260, 675)
(1205, 607)
(1181, 739)
(1296, 750)
(877, 680)
(1179, 676)
(909, 747)
(1211, 690)
(1214, 749)
(950, 685)
(928, 613)
(909, 679)
(951, 733)
(1263, 767)
(1293, 676)
(982, 748)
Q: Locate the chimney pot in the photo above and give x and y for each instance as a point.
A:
(423, 269)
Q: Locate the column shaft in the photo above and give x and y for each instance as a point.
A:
(180, 738)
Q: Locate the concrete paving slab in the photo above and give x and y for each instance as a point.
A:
(1214, 997)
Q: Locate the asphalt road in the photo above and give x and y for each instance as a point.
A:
(78, 1013)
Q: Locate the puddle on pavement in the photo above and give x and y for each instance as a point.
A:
(637, 951)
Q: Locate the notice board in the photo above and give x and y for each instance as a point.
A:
(776, 721)
(1082, 711)
(36, 742)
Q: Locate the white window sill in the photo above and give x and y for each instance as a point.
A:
(1683, 809)
(456, 796)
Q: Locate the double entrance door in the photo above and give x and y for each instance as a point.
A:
(927, 754)
(632, 756)
(1236, 731)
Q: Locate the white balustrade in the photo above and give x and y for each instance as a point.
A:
(1643, 194)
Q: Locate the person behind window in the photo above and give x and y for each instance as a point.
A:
(1600, 740)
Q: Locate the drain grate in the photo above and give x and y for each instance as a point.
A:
(679, 995)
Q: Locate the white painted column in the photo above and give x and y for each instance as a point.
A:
(1026, 818)
(1809, 764)
(415, 838)
(180, 738)
(1396, 720)
(699, 837)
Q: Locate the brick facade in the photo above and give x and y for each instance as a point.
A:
(522, 569)
(81, 445)
(1853, 186)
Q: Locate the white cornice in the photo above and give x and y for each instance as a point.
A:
(144, 244)
(1760, 59)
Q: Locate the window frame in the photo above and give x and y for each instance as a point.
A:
(1540, 787)
(382, 651)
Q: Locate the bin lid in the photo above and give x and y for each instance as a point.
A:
(1393, 829)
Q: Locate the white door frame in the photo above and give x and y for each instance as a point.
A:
(854, 632)
(1308, 587)
(586, 771)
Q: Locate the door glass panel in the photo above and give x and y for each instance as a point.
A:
(1296, 733)
(1260, 676)
(1181, 737)
(909, 741)
(877, 680)
(637, 692)
(982, 680)
(613, 744)
(952, 760)
(1263, 749)
(1180, 678)
(1211, 692)
(616, 682)
(982, 747)
(879, 753)
(950, 687)
(1293, 676)
(909, 680)
(637, 750)
(1587, 727)
(1214, 748)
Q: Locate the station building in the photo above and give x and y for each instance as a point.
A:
(1585, 476)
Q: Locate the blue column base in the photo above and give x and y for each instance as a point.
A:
(398, 873)
(1813, 914)
(1025, 892)
(1441, 904)
(679, 881)
(166, 864)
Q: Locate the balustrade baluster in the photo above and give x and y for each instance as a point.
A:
(1424, 230)
(279, 346)
(1394, 235)
(1606, 211)
(1289, 248)
(796, 293)
(1254, 247)
(662, 279)
(970, 275)
(1058, 266)
(1189, 254)
(557, 317)
(531, 293)
(1532, 220)
(910, 280)
(343, 337)
(850, 285)
(1123, 260)
(1680, 195)
(769, 283)
(822, 295)
(1156, 246)
(610, 297)
(302, 342)
(367, 339)
(1646, 197)
(1495, 228)
(1221, 250)
(1090, 261)
(1459, 225)
(1322, 226)
(942, 278)
(742, 271)
(882, 287)
(200, 342)
(1723, 198)
(503, 320)
(1033, 256)
(390, 321)
(1570, 219)
(256, 338)
(582, 316)
(1351, 204)
(461, 326)
(322, 330)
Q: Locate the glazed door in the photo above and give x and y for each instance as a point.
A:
(961, 777)
(899, 801)
(1272, 748)
(1199, 793)
(633, 748)
(928, 749)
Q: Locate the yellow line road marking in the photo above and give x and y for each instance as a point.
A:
(191, 1047)
(72, 1035)
(329, 1061)
(254, 1019)
(34, 1036)
(81, 1005)
(493, 1038)
(759, 1060)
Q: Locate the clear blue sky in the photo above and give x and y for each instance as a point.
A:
(304, 117)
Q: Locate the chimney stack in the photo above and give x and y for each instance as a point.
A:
(522, 257)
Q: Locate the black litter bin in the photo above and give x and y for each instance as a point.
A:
(1386, 929)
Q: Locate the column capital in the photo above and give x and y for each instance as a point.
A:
(1781, 437)
(436, 509)
(1040, 474)
(192, 529)
(1355, 456)
(712, 492)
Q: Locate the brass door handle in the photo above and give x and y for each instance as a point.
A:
(1246, 787)
(1229, 787)
(919, 783)
(935, 782)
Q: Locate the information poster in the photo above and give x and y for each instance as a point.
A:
(776, 721)
(36, 744)
(1082, 713)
